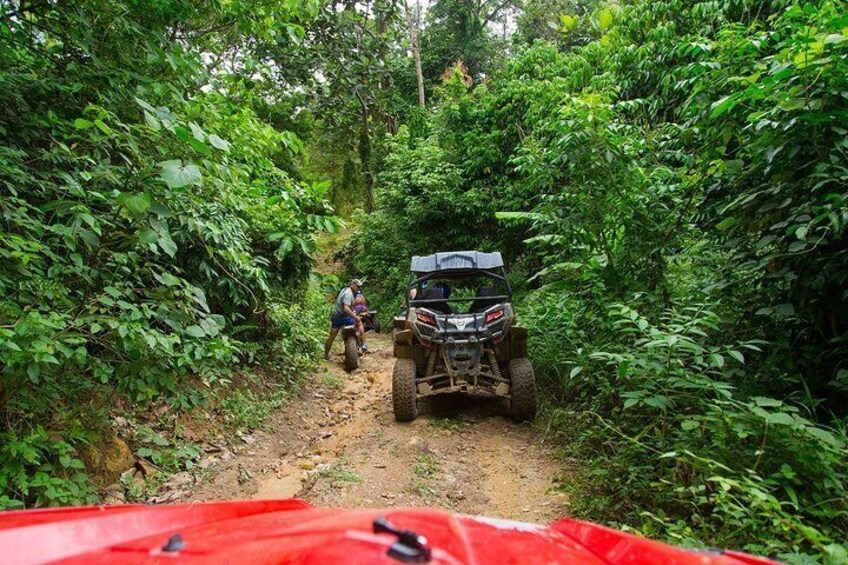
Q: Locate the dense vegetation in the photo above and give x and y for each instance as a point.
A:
(153, 232)
(667, 180)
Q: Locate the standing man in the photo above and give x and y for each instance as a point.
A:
(344, 315)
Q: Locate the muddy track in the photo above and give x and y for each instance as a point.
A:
(337, 444)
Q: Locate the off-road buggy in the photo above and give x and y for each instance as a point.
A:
(458, 334)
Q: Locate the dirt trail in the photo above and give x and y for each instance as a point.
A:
(337, 444)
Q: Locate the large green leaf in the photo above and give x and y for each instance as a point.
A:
(178, 175)
(137, 204)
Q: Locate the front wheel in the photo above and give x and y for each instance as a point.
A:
(404, 397)
(523, 388)
(375, 324)
(351, 357)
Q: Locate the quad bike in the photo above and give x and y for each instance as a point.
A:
(350, 335)
(351, 339)
(292, 531)
(371, 322)
(475, 349)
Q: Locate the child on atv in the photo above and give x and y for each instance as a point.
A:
(359, 305)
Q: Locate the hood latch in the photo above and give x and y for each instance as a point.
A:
(409, 548)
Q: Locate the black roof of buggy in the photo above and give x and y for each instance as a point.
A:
(456, 261)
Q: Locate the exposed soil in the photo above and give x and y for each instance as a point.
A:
(337, 444)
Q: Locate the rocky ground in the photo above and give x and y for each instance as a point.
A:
(337, 444)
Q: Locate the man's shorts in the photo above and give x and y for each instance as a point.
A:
(341, 321)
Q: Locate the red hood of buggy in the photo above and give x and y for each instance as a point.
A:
(291, 531)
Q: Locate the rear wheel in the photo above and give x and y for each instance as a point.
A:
(523, 389)
(351, 358)
(404, 397)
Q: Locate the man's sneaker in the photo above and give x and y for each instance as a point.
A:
(364, 348)
(326, 357)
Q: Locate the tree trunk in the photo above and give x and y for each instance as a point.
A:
(385, 15)
(365, 155)
(416, 53)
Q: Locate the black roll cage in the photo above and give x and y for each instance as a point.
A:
(416, 279)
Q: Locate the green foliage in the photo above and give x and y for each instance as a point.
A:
(144, 219)
(458, 31)
(561, 22)
(339, 474)
(735, 461)
(425, 466)
(38, 467)
(422, 209)
(668, 181)
(169, 456)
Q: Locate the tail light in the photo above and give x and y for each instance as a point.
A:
(492, 316)
(426, 318)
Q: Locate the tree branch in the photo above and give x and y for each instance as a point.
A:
(496, 11)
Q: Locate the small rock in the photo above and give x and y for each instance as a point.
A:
(306, 465)
(207, 462)
(167, 497)
(114, 498)
(248, 439)
(114, 494)
(108, 458)
(479, 498)
(215, 447)
(244, 474)
(448, 482)
(418, 445)
(188, 434)
(144, 467)
(178, 480)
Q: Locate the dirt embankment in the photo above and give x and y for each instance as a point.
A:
(337, 444)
